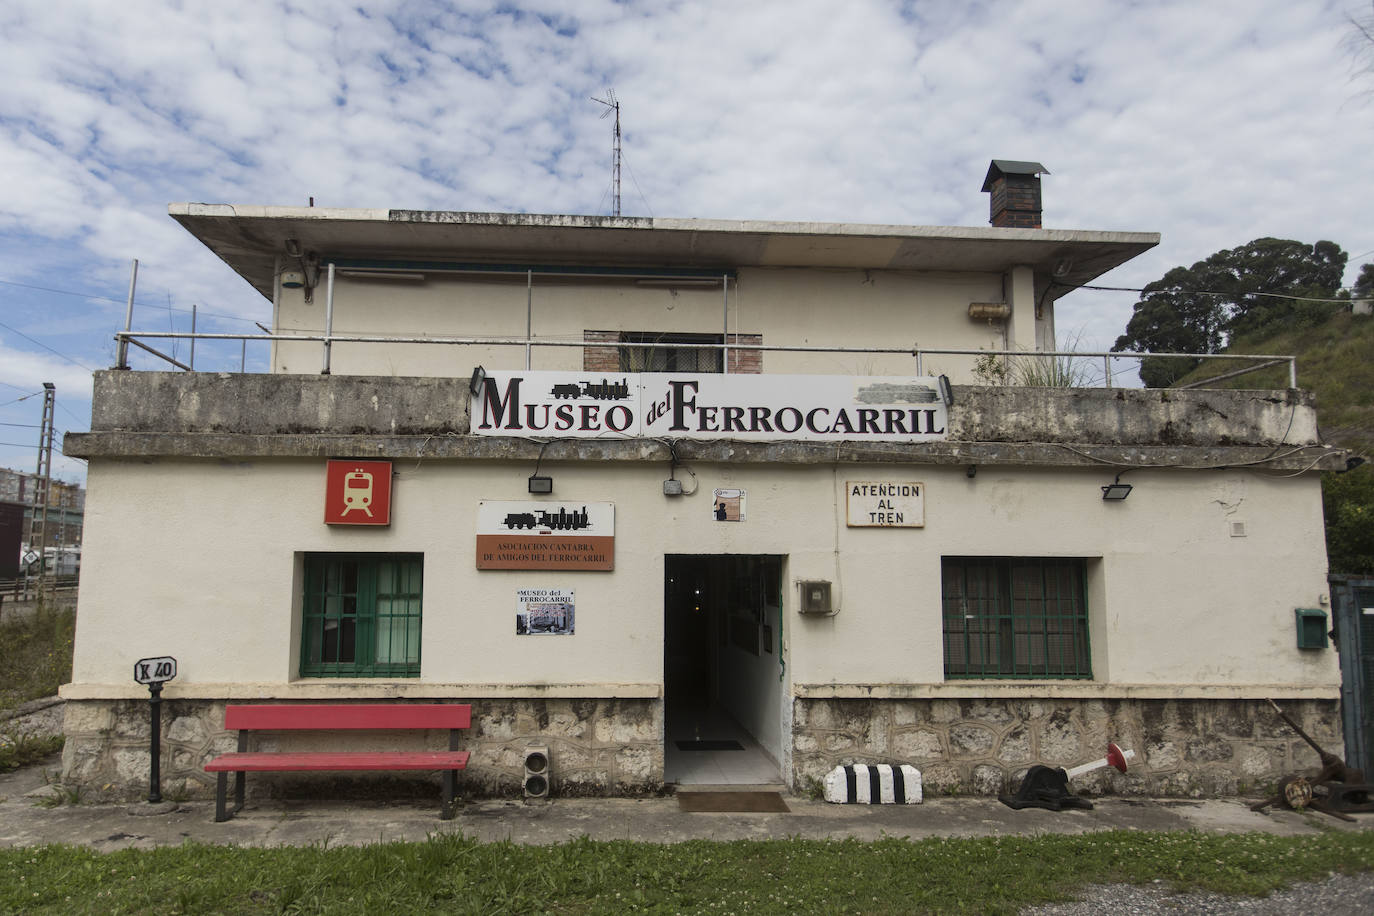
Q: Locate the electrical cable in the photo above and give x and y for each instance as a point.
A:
(45, 347)
(1205, 292)
(24, 398)
(626, 162)
(142, 305)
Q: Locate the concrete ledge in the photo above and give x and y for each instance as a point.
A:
(359, 690)
(1021, 690)
(475, 448)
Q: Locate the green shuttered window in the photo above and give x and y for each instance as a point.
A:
(1014, 617)
(361, 615)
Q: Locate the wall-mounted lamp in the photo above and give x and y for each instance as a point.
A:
(542, 485)
(479, 375)
(946, 392)
(1116, 489)
(1352, 463)
(292, 279)
(971, 471)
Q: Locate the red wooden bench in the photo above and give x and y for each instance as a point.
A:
(374, 716)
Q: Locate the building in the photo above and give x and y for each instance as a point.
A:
(624, 484)
(61, 531)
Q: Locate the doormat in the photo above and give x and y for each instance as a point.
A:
(706, 744)
(748, 802)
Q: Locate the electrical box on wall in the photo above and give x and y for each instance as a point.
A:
(815, 598)
(1311, 628)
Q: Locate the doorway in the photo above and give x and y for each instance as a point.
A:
(723, 668)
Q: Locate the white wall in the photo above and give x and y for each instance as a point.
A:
(794, 307)
(198, 559)
(751, 686)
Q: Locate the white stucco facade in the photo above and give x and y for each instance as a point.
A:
(206, 510)
(1177, 603)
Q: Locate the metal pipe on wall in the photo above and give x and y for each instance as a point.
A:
(276, 314)
(328, 317)
(122, 358)
(725, 335)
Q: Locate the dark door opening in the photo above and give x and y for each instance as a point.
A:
(723, 667)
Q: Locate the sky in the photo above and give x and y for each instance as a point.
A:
(1212, 122)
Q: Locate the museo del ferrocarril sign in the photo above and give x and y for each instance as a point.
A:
(710, 406)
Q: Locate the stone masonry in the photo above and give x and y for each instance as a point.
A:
(596, 747)
(1184, 748)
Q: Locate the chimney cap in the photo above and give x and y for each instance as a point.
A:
(1001, 167)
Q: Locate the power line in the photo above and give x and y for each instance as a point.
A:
(24, 398)
(635, 182)
(70, 414)
(142, 305)
(45, 346)
(1205, 292)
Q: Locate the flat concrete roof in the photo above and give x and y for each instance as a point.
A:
(249, 238)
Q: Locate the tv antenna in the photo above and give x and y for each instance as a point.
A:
(613, 105)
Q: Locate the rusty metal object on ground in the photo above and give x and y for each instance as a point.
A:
(1295, 792)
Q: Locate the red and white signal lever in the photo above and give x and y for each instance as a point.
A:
(1116, 757)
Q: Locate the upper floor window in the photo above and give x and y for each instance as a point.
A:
(636, 356)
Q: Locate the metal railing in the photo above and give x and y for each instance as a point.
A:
(1065, 368)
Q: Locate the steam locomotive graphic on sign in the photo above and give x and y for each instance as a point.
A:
(600, 391)
(562, 520)
(528, 534)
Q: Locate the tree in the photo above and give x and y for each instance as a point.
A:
(1348, 503)
(1199, 309)
(1361, 40)
(1364, 283)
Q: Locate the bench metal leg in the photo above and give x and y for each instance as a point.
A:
(221, 785)
(450, 780)
(222, 792)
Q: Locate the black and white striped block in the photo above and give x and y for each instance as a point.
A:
(880, 784)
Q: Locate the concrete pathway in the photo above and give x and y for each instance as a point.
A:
(25, 820)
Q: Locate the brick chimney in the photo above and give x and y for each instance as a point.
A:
(1015, 187)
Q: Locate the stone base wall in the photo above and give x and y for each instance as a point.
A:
(596, 747)
(1184, 748)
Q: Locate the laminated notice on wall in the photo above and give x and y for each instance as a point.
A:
(728, 505)
(544, 610)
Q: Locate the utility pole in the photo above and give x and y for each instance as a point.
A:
(38, 521)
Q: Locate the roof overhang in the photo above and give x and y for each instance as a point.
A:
(250, 238)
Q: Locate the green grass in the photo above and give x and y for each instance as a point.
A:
(35, 654)
(458, 875)
(20, 749)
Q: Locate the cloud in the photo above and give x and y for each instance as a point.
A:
(1212, 123)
